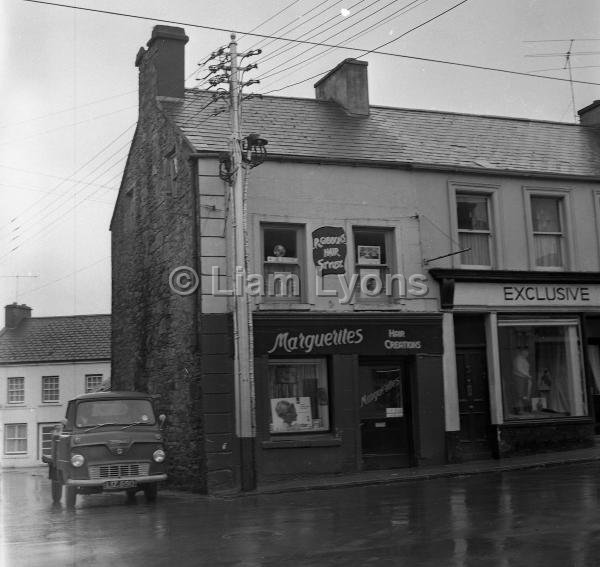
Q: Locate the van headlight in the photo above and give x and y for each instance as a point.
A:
(159, 455)
(77, 460)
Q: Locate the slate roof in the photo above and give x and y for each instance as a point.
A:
(54, 339)
(313, 129)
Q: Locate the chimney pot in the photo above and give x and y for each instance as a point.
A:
(14, 314)
(347, 85)
(590, 115)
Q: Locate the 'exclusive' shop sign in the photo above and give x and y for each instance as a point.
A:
(371, 339)
(530, 295)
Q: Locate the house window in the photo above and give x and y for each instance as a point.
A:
(548, 236)
(372, 247)
(541, 370)
(298, 396)
(50, 392)
(93, 382)
(16, 390)
(15, 438)
(45, 435)
(282, 262)
(474, 232)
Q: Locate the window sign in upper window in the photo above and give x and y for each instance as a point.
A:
(372, 247)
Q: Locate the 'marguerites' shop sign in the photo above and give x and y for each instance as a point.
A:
(352, 338)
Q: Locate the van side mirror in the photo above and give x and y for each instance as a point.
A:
(162, 418)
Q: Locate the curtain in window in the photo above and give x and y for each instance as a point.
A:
(594, 356)
(479, 244)
(547, 249)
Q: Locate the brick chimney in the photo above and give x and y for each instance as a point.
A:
(166, 54)
(590, 115)
(14, 314)
(348, 86)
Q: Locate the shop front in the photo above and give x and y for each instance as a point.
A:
(536, 334)
(342, 393)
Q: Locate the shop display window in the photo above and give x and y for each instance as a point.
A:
(298, 396)
(282, 262)
(541, 370)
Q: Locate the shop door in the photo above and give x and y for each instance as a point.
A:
(474, 407)
(384, 416)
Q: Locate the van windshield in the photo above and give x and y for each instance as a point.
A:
(114, 412)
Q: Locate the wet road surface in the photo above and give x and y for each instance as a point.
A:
(548, 517)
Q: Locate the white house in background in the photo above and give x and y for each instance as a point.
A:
(44, 362)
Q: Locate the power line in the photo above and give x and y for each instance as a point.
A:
(322, 5)
(552, 40)
(562, 54)
(67, 275)
(10, 124)
(273, 16)
(406, 8)
(43, 229)
(27, 211)
(562, 68)
(62, 127)
(349, 48)
(281, 51)
(48, 175)
(41, 190)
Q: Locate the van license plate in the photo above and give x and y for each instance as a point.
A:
(118, 484)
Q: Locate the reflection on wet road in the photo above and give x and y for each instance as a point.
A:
(547, 517)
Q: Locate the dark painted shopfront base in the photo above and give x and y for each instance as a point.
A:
(524, 439)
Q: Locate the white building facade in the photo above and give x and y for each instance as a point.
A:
(34, 389)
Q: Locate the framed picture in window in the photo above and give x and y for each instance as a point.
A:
(369, 254)
(291, 414)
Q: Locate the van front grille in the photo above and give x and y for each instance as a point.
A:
(120, 470)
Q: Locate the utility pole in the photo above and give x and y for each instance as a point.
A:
(242, 317)
(234, 167)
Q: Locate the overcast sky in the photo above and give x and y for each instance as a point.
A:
(68, 91)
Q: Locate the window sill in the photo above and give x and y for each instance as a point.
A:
(302, 442)
(283, 306)
(365, 306)
(547, 421)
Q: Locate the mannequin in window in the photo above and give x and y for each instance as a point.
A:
(279, 251)
(521, 381)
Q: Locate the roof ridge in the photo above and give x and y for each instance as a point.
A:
(67, 316)
(408, 109)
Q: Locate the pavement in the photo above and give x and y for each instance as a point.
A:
(366, 478)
